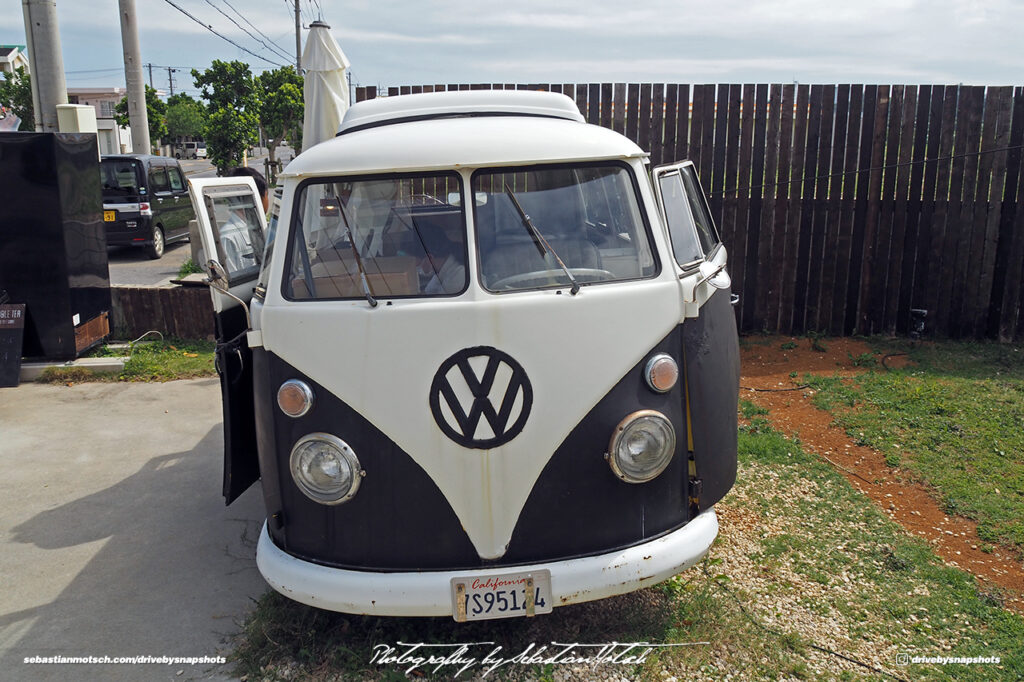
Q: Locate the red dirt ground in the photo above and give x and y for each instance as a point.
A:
(766, 366)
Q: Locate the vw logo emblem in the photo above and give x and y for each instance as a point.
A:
(481, 382)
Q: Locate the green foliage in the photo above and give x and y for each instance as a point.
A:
(233, 108)
(156, 113)
(956, 420)
(187, 268)
(281, 107)
(788, 345)
(186, 117)
(16, 93)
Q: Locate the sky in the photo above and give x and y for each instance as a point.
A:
(401, 42)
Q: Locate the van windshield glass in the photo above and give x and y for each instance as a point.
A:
(405, 234)
(119, 177)
(588, 216)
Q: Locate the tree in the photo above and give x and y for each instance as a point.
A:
(156, 110)
(281, 107)
(16, 94)
(233, 106)
(185, 117)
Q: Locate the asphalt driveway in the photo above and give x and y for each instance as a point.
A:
(114, 539)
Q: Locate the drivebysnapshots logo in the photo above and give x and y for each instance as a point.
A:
(906, 658)
(481, 397)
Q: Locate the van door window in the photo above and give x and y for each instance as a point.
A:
(690, 226)
(237, 230)
(532, 222)
(177, 184)
(402, 235)
(158, 179)
(119, 178)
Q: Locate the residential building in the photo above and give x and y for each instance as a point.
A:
(11, 57)
(113, 139)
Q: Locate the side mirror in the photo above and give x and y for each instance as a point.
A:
(218, 275)
(716, 276)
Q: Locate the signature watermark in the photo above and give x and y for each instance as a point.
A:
(905, 658)
(488, 656)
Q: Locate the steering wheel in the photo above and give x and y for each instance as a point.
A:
(546, 277)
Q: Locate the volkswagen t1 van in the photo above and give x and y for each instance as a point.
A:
(483, 360)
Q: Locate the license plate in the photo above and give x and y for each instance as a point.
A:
(109, 216)
(509, 595)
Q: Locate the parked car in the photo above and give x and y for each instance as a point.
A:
(485, 365)
(145, 201)
(190, 150)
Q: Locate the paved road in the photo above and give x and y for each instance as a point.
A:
(114, 539)
(131, 266)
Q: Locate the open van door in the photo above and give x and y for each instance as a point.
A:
(232, 230)
(710, 346)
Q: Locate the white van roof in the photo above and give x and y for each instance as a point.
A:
(386, 110)
(468, 129)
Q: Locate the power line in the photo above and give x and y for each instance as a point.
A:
(280, 50)
(219, 35)
(240, 27)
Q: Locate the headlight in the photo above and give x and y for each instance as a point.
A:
(295, 398)
(642, 446)
(325, 468)
(661, 373)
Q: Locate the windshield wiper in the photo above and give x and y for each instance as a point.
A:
(538, 239)
(359, 261)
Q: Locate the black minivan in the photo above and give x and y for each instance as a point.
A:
(145, 201)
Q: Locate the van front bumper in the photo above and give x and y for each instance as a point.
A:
(428, 593)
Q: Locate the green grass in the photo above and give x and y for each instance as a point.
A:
(802, 560)
(163, 360)
(954, 419)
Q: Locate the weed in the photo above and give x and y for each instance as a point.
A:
(863, 360)
(816, 342)
(788, 345)
(187, 268)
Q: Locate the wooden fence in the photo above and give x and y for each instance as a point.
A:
(843, 206)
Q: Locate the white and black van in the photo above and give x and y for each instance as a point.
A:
(485, 364)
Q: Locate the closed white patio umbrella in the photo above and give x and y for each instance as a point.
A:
(326, 88)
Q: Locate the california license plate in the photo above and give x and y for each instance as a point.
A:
(109, 216)
(509, 595)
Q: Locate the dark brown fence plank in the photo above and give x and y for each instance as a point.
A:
(954, 265)
(780, 213)
(926, 228)
(940, 243)
(1011, 241)
(899, 223)
(807, 197)
(752, 317)
(632, 111)
(698, 121)
(914, 206)
(853, 289)
(720, 143)
(643, 117)
(657, 126)
(360, 93)
(740, 214)
(816, 254)
(1000, 100)
(793, 216)
(761, 314)
(964, 273)
(707, 140)
(844, 242)
(607, 102)
(619, 108)
(880, 271)
(989, 132)
(835, 210)
(674, 123)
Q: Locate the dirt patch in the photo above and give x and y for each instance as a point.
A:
(768, 365)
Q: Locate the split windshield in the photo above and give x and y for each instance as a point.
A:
(405, 236)
(392, 237)
(584, 226)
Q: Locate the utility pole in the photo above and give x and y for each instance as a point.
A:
(298, 40)
(150, 65)
(170, 79)
(45, 61)
(137, 114)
